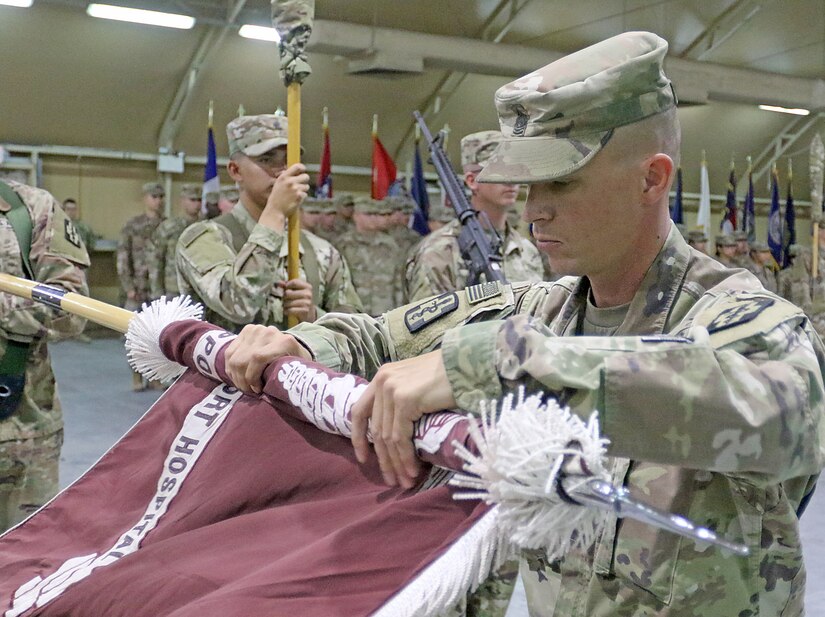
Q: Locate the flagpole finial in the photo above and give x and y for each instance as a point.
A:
(790, 169)
(241, 110)
(750, 162)
(417, 133)
(211, 112)
(446, 131)
(280, 112)
(704, 158)
(326, 117)
(375, 124)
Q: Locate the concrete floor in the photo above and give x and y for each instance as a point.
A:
(94, 383)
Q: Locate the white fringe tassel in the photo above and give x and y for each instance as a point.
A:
(142, 339)
(462, 568)
(521, 453)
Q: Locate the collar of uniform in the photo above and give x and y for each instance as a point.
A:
(511, 245)
(242, 214)
(653, 301)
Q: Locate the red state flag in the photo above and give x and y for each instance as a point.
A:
(383, 169)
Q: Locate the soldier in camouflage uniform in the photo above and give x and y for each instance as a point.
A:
(402, 207)
(31, 434)
(726, 251)
(709, 388)
(163, 274)
(227, 199)
(764, 267)
(236, 264)
(344, 207)
(373, 257)
(85, 232)
(794, 283)
(134, 247)
(318, 216)
(439, 216)
(436, 266)
(698, 240)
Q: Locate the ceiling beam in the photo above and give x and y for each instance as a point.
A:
(212, 40)
(722, 28)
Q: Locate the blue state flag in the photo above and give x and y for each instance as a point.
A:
(748, 210)
(418, 189)
(789, 232)
(211, 181)
(775, 221)
(676, 211)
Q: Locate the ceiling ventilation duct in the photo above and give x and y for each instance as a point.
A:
(383, 64)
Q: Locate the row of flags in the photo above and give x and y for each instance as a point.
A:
(384, 180)
(781, 222)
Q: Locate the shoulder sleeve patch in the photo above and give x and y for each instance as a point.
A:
(740, 316)
(203, 247)
(65, 240)
(418, 327)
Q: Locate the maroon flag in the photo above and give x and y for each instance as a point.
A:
(217, 503)
(383, 167)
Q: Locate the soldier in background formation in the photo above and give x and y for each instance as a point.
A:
(402, 207)
(318, 216)
(798, 285)
(373, 256)
(31, 420)
(344, 208)
(439, 216)
(85, 232)
(163, 274)
(436, 266)
(698, 240)
(134, 247)
(236, 264)
(764, 266)
(229, 196)
(726, 251)
(133, 255)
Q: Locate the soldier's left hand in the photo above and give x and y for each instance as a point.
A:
(399, 394)
(298, 300)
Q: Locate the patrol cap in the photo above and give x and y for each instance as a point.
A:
(695, 235)
(191, 191)
(476, 148)
(154, 188)
(317, 205)
(256, 135)
(554, 120)
(231, 193)
(343, 200)
(740, 235)
(725, 240)
(367, 205)
(759, 247)
(794, 250)
(441, 213)
(400, 203)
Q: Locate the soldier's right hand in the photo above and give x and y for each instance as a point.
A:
(289, 191)
(253, 350)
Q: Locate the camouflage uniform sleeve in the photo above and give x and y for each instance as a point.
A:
(747, 398)
(125, 271)
(431, 270)
(360, 344)
(339, 292)
(236, 286)
(157, 261)
(58, 258)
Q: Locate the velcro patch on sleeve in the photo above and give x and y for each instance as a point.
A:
(204, 247)
(743, 315)
(483, 291)
(417, 328)
(65, 241)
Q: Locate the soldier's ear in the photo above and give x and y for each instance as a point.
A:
(658, 178)
(470, 180)
(234, 170)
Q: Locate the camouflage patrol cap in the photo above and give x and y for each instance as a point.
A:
(554, 120)
(318, 205)
(343, 200)
(476, 148)
(191, 191)
(759, 247)
(401, 203)
(255, 135)
(724, 240)
(794, 250)
(366, 205)
(153, 188)
(696, 235)
(740, 235)
(441, 213)
(231, 193)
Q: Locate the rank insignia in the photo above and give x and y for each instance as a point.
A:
(427, 312)
(482, 291)
(741, 312)
(71, 233)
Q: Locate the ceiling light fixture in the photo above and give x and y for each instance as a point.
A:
(23, 4)
(140, 16)
(797, 111)
(260, 33)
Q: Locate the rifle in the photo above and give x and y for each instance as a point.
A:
(480, 255)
